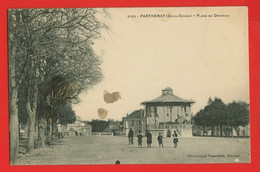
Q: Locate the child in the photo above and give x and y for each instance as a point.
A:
(149, 139)
(175, 139)
(140, 137)
(160, 140)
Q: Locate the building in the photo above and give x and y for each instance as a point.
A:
(135, 120)
(167, 113)
(164, 114)
(115, 128)
(78, 128)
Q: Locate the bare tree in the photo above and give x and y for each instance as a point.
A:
(49, 43)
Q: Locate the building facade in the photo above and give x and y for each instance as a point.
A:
(163, 114)
(116, 128)
(135, 120)
(78, 128)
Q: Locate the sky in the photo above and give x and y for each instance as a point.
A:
(198, 57)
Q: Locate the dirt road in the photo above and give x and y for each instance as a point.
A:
(108, 149)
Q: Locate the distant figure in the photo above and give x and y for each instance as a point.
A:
(117, 162)
(140, 137)
(149, 139)
(160, 140)
(175, 139)
(131, 136)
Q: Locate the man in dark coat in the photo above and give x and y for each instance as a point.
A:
(131, 136)
(175, 139)
(149, 139)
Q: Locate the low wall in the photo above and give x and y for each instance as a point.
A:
(102, 133)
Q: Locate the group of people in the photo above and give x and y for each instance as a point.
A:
(149, 139)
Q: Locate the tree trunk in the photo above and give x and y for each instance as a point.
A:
(56, 131)
(26, 128)
(14, 128)
(62, 129)
(13, 93)
(32, 116)
(53, 133)
(231, 131)
(31, 106)
(65, 130)
(13, 111)
(30, 146)
(221, 130)
(54, 128)
(41, 125)
(41, 136)
(31, 113)
(244, 133)
(50, 130)
(19, 130)
(212, 131)
(36, 127)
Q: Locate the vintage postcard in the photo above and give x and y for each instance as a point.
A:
(129, 85)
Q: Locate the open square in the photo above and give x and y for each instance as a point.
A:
(109, 149)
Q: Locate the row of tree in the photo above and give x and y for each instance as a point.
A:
(102, 125)
(218, 114)
(51, 61)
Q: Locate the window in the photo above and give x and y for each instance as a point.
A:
(132, 122)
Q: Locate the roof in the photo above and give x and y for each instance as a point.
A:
(167, 88)
(168, 97)
(135, 114)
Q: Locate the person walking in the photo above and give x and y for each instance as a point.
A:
(149, 139)
(160, 140)
(175, 139)
(131, 136)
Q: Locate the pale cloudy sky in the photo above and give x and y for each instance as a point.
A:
(198, 57)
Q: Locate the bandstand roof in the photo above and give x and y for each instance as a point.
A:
(167, 97)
